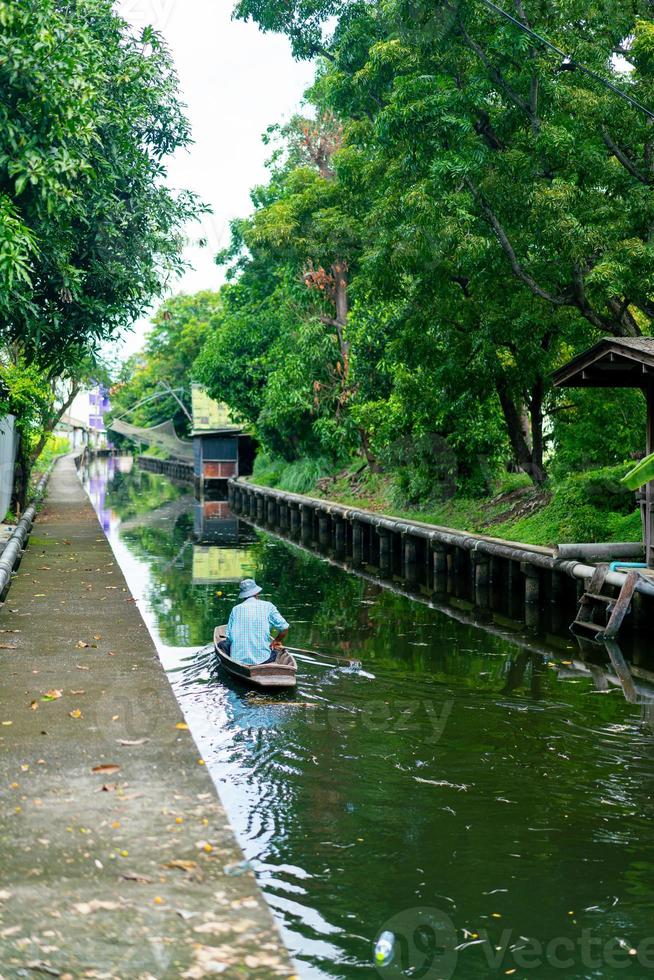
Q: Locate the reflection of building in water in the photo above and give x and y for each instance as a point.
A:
(214, 523)
(215, 564)
(98, 474)
(124, 464)
(217, 557)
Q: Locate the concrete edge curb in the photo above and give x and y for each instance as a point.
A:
(13, 552)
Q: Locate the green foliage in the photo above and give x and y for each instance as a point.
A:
(89, 231)
(179, 328)
(494, 215)
(641, 474)
(591, 506)
(594, 427)
(300, 476)
(55, 447)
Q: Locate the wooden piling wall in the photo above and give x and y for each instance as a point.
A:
(444, 559)
(168, 467)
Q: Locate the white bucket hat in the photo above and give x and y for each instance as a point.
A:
(248, 588)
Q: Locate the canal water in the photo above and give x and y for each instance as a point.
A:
(482, 798)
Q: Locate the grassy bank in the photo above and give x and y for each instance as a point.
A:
(589, 506)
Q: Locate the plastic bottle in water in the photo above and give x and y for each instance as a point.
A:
(385, 949)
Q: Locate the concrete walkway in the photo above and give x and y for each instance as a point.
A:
(120, 872)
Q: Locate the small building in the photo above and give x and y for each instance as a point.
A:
(620, 362)
(89, 408)
(221, 448)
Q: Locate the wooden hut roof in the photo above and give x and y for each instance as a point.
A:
(615, 362)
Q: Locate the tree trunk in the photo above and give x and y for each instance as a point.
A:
(365, 448)
(21, 480)
(50, 424)
(528, 459)
(339, 273)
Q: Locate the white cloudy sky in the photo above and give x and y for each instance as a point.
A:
(235, 81)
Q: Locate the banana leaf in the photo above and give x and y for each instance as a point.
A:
(641, 474)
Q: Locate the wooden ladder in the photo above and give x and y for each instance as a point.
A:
(596, 603)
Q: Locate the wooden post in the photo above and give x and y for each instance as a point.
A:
(384, 550)
(410, 554)
(340, 537)
(482, 571)
(305, 524)
(649, 489)
(324, 529)
(295, 520)
(357, 543)
(440, 560)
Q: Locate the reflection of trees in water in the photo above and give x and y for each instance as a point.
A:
(138, 492)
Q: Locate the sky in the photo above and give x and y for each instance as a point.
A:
(235, 82)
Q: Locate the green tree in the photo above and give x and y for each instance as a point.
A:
(505, 200)
(179, 328)
(89, 231)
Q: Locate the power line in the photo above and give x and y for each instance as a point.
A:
(568, 62)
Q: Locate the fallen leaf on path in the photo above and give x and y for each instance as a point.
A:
(6, 723)
(80, 667)
(95, 905)
(206, 962)
(8, 646)
(34, 705)
(39, 595)
(139, 879)
(132, 741)
(75, 714)
(182, 726)
(180, 865)
(52, 695)
(106, 768)
(183, 914)
(78, 692)
(40, 967)
(81, 645)
(97, 637)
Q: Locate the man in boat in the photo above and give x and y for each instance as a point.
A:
(249, 636)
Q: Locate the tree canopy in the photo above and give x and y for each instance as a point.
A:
(459, 212)
(89, 231)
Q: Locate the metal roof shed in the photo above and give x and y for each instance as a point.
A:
(620, 362)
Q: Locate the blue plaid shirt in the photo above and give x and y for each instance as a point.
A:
(249, 628)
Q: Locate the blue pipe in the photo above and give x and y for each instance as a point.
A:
(615, 565)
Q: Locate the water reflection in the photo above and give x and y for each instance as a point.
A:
(502, 778)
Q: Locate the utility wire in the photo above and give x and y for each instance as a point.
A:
(568, 62)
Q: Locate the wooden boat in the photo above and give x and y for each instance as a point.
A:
(281, 673)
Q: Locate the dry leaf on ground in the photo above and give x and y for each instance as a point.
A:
(182, 865)
(86, 908)
(106, 768)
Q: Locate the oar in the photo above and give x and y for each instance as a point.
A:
(323, 656)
